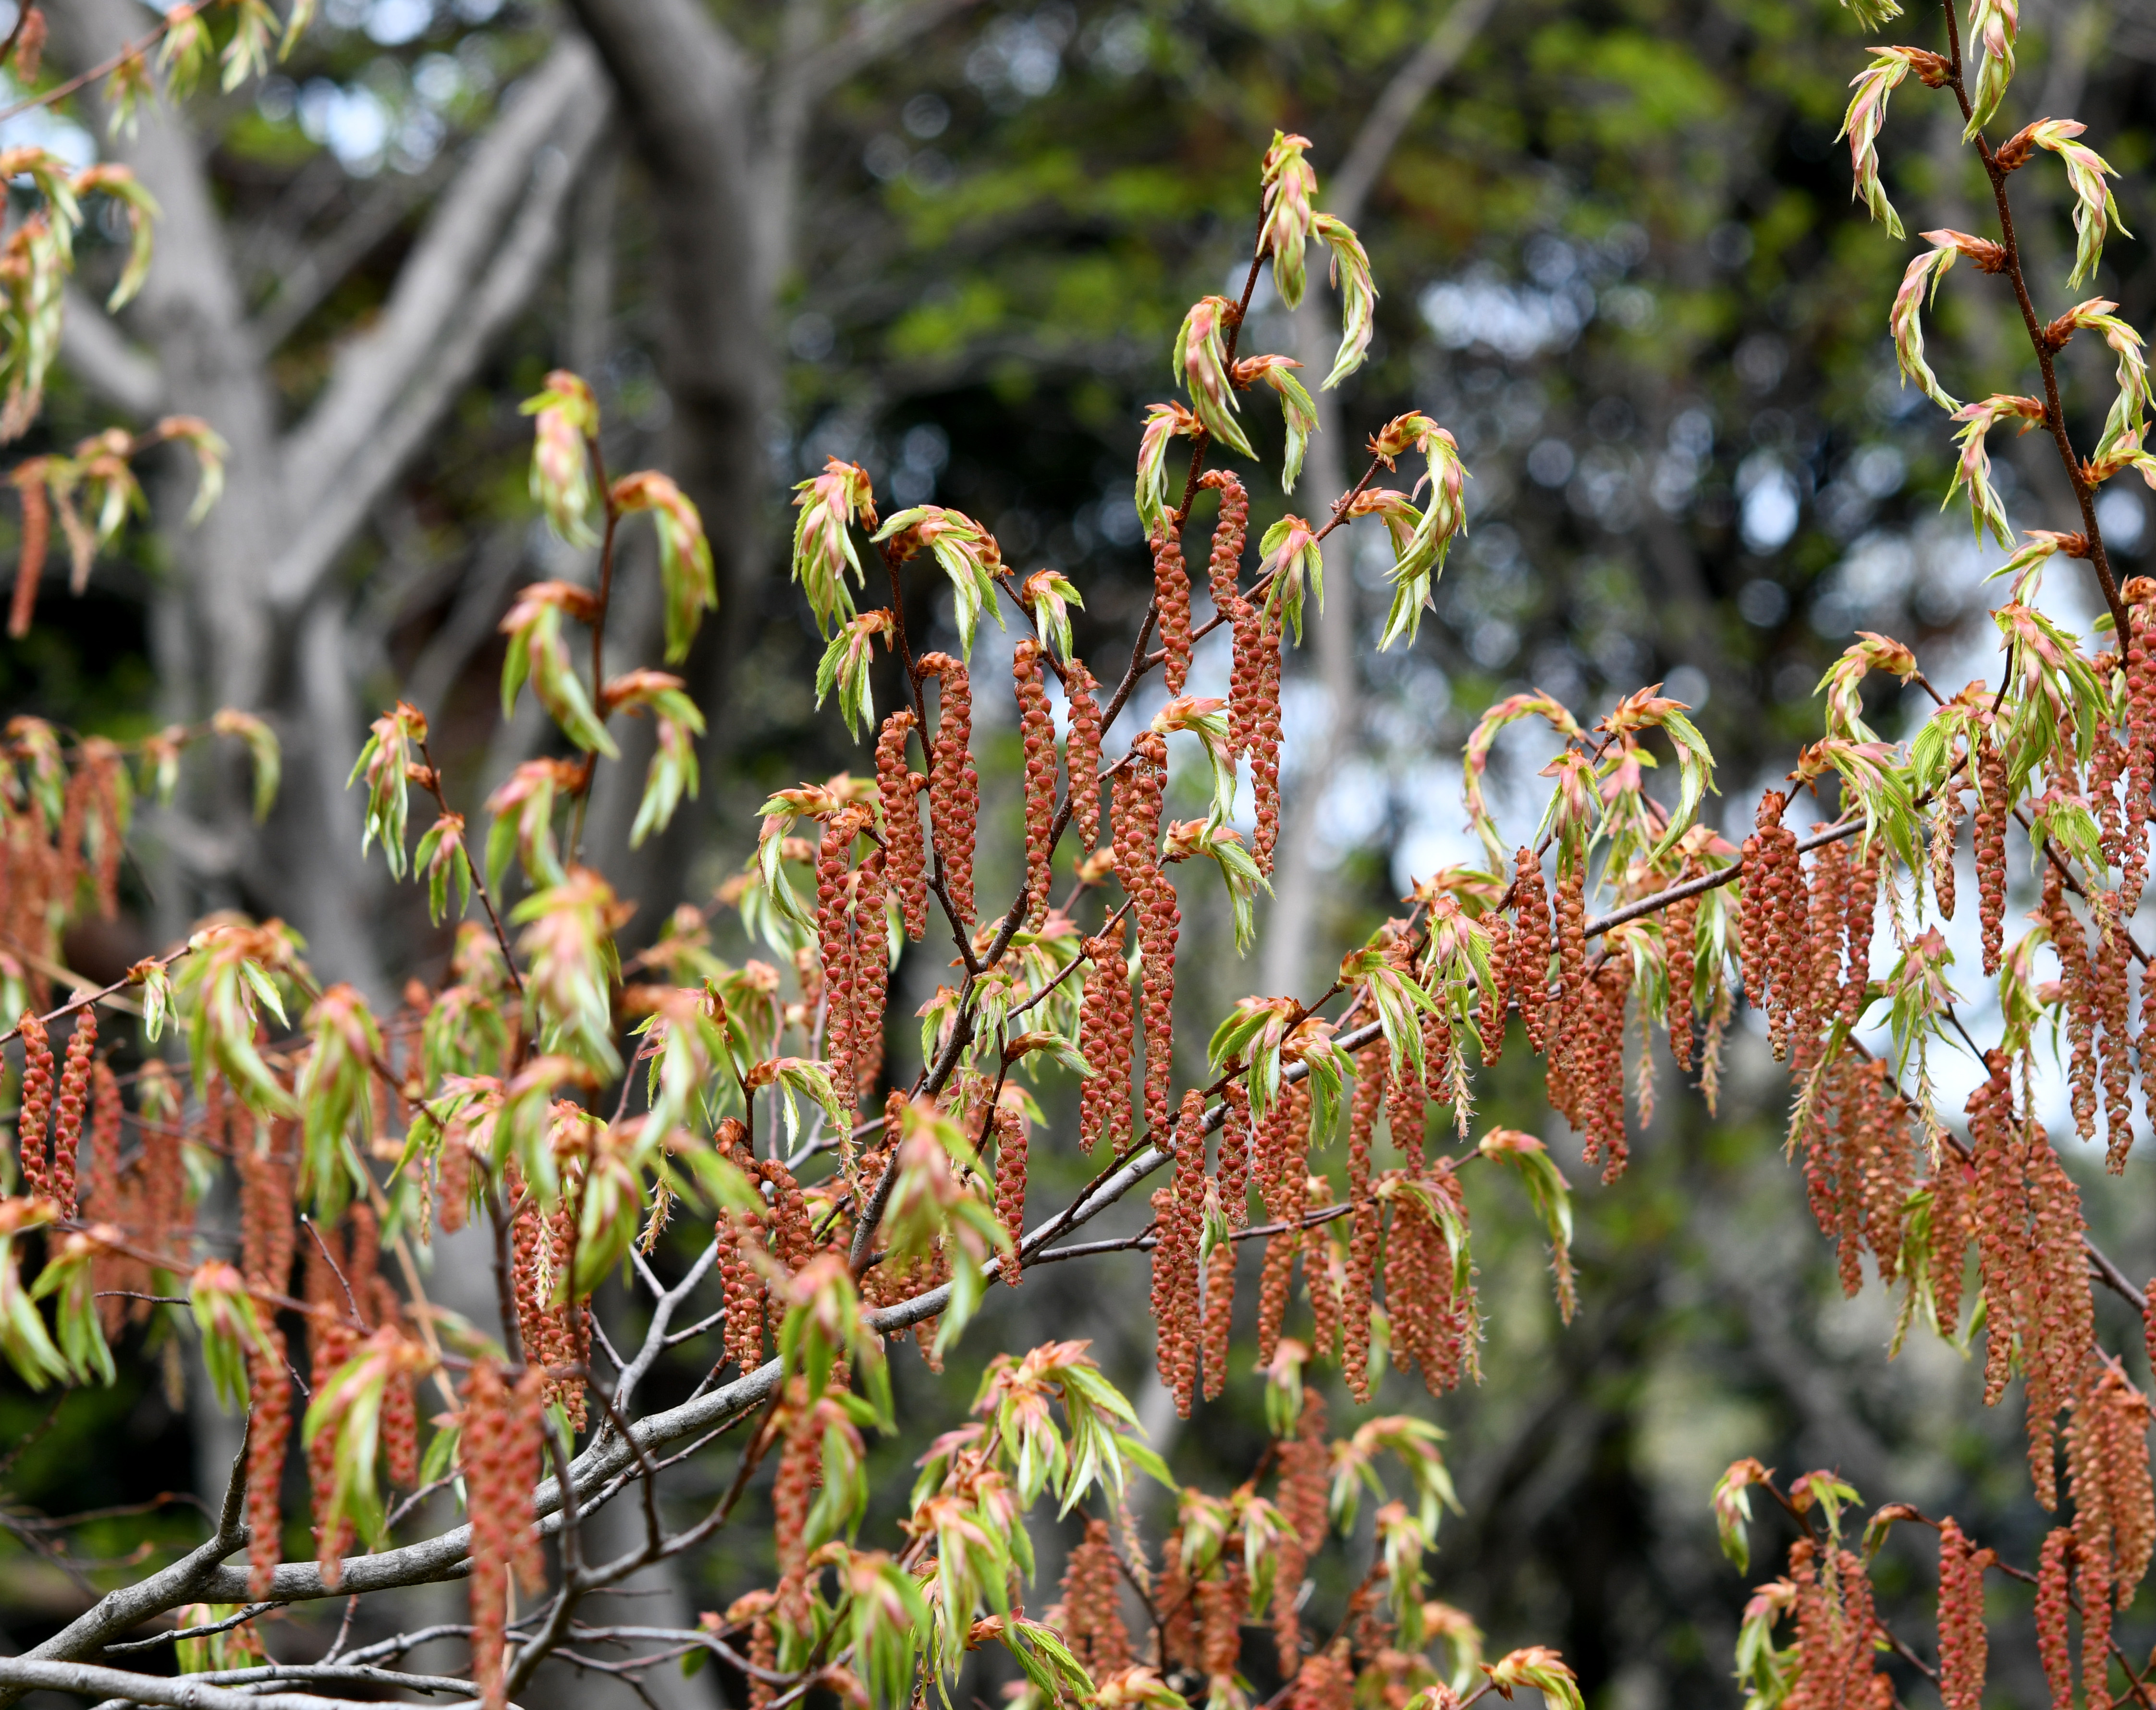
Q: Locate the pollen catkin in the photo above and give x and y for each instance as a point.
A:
(1037, 731)
(1010, 1185)
(1679, 923)
(1836, 1633)
(1092, 1616)
(1964, 1643)
(2051, 1605)
(100, 1155)
(2078, 984)
(1171, 595)
(1988, 832)
(500, 1452)
(954, 787)
(37, 1104)
(1178, 1211)
(269, 1390)
(902, 823)
(1137, 809)
(332, 1348)
(835, 943)
(1531, 945)
(2115, 1058)
(1494, 1009)
(1434, 1324)
(2108, 1459)
(266, 1232)
(1232, 1165)
(1571, 940)
(1105, 1028)
(1952, 1186)
(2091, 1580)
(1081, 751)
(1224, 569)
(1366, 1224)
(1220, 1316)
(1220, 1604)
(1265, 735)
(792, 1491)
(70, 1108)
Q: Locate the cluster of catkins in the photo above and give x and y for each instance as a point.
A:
(852, 953)
(46, 859)
(954, 787)
(500, 1452)
(1254, 675)
(2026, 1217)
(553, 1324)
(1837, 1633)
(753, 1247)
(1861, 1166)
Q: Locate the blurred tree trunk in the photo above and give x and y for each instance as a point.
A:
(254, 616)
(721, 138)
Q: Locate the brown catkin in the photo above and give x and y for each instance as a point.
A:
(499, 1453)
(2078, 982)
(835, 942)
(1138, 810)
(1171, 596)
(954, 787)
(1494, 1008)
(1434, 1324)
(1964, 1644)
(1105, 1030)
(1081, 751)
(1305, 1465)
(744, 1289)
(1010, 1184)
(332, 1348)
(871, 981)
(1531, 944)
(1219, 1314)
(70, 1108)
(2092, 1581)
(2051, 1605)
(1092, 1616)
(1265, 642)
(1571, 940)
(269, 1388)
(1232, 1165)
(1987, 831)
(1224, 569)
(1365, 1225)
(100, 1154)
(36, 1106)
(1037, 731)
(901, 823)
(1836, 1633)
(1681, 953)
(2115, 1058)
(1178, 1212)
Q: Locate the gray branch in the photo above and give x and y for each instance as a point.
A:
(556, 104)
(103, 358)
(338, 512)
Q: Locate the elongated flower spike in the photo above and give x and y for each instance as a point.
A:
(1919, 283)
(1867, 115)
(1993, 27)
(2096, 211)
(1358, 295)
(1163, 422)
(568, 415)
(1297, 412)
(1201, 368)
(1288, 185)
(830, 504)
(1972, 470)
